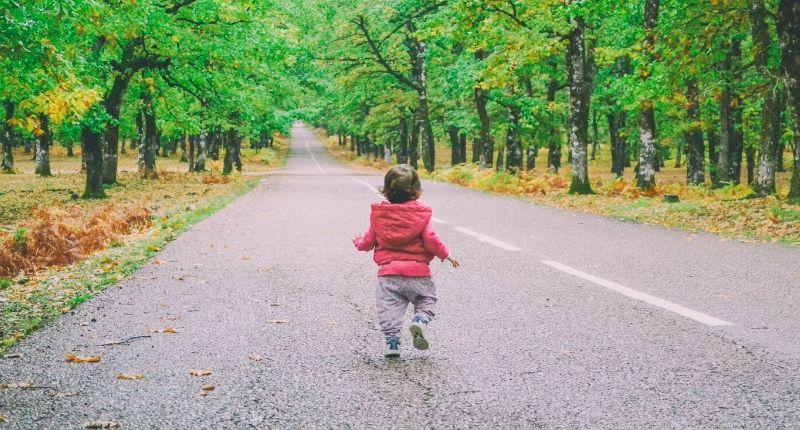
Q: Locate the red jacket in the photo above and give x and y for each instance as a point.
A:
(403, 239)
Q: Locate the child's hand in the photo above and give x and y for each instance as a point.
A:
(356, 238)
(453, 261)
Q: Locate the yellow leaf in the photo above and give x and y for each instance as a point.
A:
(201, 372)
(88, 359)
(127, 377)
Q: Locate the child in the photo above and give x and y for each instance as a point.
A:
(404, 243)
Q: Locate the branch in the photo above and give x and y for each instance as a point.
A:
(362, 25)
(172, 10)
(214, 22)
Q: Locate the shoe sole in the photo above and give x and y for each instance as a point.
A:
(392, 355)
(419, 339)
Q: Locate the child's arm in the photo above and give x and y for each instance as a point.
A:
(366, 242)
(433, 244)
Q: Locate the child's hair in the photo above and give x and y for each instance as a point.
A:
(401, 184)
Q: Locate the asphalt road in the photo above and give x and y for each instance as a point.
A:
(554, 320)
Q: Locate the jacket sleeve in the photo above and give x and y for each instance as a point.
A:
(366, 242)
(433, 244)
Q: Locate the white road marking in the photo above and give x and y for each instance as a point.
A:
(438, 220)
(490, 240)
(637, 295)
(308, 147)
(369, 187)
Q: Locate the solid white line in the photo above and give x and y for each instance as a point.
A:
(636, 295)
(438, 220)
(305, 139)
(369, 187)
(484, 238)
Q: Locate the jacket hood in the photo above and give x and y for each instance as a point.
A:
(398, 224)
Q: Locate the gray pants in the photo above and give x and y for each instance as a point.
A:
(393, 295)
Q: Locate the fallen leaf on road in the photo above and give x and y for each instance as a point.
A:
(274, 304)
(156, 261)
(207, 389)
(3, 418)
(128, 377)
(167, 330)
(276, 322)
(201, 372)
(254, 357)
(16, 385)
(182, 277)
(65, 394)
(84, 324)
(13, 355)
(265, 269)
(246, 258)
(102, 425)
(88, 359)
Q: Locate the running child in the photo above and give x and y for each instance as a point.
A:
(404, 244)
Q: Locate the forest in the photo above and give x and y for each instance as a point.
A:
(711, 85)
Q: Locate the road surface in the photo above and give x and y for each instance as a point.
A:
(554, 320)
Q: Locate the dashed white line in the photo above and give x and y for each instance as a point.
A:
(490, 240)
(369, 187)
(308, 147)
(637, 295)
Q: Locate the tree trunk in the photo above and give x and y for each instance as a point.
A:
(237, 152)
(113, 103)
(202, 151)
(554, 140)
(788, 21)
(499, 164)
(486, 142)
(402, 151)
(184, 141)
(93, 156)
(8, 143)
(729, 161)
(595, 141)
(695, 154)
(764, 184)
(777, 132)
(216, 143)
(71, 151)
(477, 149)
(147, 154)
(414, 149)
(353, 140)
(750, 154)
(357, 143)
(455, 156)
(513, 144)
(713, 155)
(418, 52)
(227, 163)
(646, 177)
(43, 147)
(579, 96)
(530, 163)
(679, 153)
(616, 122)
(192, 142)
(462, 148)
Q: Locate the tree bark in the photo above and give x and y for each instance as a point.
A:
(237, 152)
(402, 150)
(202, 151)
(764, 184)
(93, 156)
(788, 23)
(750, 154)
(414, 149)
(530, 162)
(554, 140)
(113, 103)
(8, 143)
(713, 155)
(147, 152)
(679, 153)
(513, 145)
(729, 164)
(486, 142)
(462, 148)
(579, 96)
(455, 155)
(696, 154)
(595, 132)
(646, 177)
(616, 124)
(43, 147)
(192, 142)
(227, 163)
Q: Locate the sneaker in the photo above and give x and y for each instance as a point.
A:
(392, 347)
(416, 327)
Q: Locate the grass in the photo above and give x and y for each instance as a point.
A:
(175, 201)
(726, 211)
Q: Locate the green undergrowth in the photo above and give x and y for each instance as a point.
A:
(61, 290)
